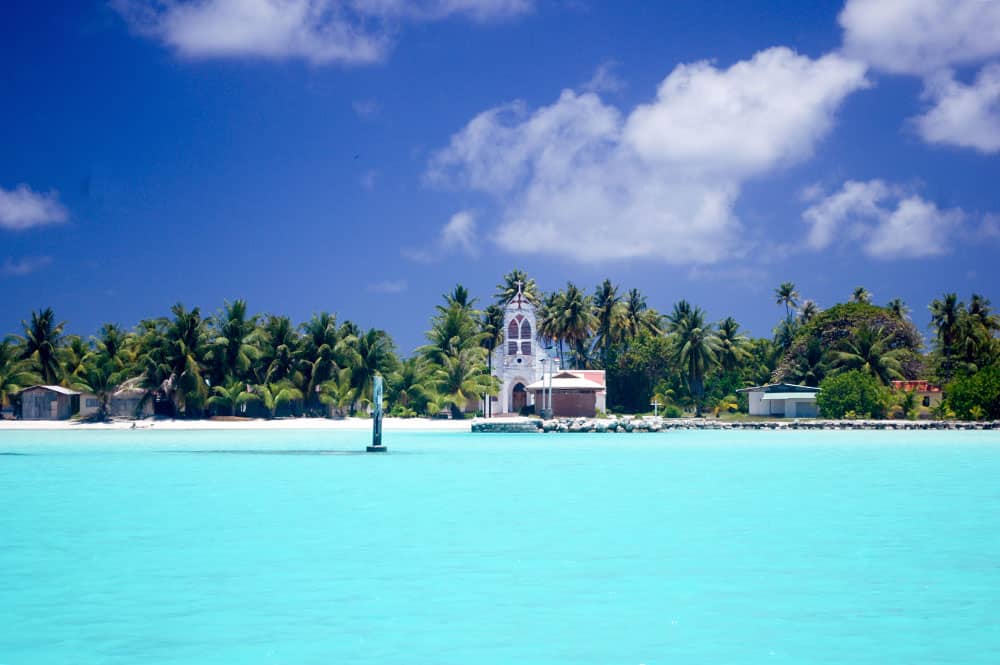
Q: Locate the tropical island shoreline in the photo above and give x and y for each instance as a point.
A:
(278, 424)
(516, 425)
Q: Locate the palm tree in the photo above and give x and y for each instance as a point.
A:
(784, 334)
(279, 345)
(323, 350)
(375, 356)
(339, 393)
(608, 317)
(808, 311)
(637, 317)
(454, 328)
(977, 334)
(461, 378)
(276, 395)
(786, 295)
(231, 396)
(870, 350)
(410, 385)
(946, 315)
(42, 343)
(102, 370)
(550, 320)
(732, 347)
(809, 368)
(112, 342)
(507, 289)
(576, 319)
(679, 316)
(15, 374)
(460, 296)
(696, 351)
(236, 344)
(861, 295)
(898, 308)
(173, 359)
(491, 328)
(72, 357)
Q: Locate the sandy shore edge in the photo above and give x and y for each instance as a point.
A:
(388, 425)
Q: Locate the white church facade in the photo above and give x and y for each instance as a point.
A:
(521, 359)
(522, 365)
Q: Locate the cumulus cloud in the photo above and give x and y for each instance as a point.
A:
(746, 119)
(921, 36)
(884, 220)
(24, 266)
(319, 31)
(964, 115)
(21, 208)
(457, 235)
(580, 179)
(605, 79)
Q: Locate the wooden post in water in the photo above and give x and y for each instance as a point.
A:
(376, 446)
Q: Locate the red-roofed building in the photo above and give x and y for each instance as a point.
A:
(928, 394)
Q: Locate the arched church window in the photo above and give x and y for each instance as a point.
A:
(525, 329)
(512, 329)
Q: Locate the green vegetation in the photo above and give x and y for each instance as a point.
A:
(234, 362)
(852, 394)
(976, 396)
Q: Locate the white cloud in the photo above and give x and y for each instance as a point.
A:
(21, 208)
(579, 179)
(433, 10)
(319, 31)
(886, 222)
(921, 36)
(746, 119)
(989, 229)
(837, 215)
(25, 266)
(605, 79)
(964, 115)
(457, 235)
(388, 286)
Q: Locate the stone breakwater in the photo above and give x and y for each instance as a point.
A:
(627, 424)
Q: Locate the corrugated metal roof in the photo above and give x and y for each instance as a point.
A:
(780, 387)
(55, 389)
(802, 395)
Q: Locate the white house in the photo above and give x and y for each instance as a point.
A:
(782, 400)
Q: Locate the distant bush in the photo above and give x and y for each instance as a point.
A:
(672, 411)
(976, 396)
(854, 394)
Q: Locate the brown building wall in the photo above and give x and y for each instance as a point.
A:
(573, 403)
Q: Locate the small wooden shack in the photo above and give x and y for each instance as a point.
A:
(49, 403)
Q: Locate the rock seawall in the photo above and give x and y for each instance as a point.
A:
(626, 424)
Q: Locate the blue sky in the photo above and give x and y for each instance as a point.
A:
(363, 156)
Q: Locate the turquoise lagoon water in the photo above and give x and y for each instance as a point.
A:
(686, 547)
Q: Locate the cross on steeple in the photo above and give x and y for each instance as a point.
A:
(518, 299)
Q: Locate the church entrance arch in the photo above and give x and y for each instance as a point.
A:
(518, 398)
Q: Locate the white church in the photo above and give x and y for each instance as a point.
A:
(526, 370)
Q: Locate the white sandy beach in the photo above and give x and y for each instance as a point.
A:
(388, 424)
